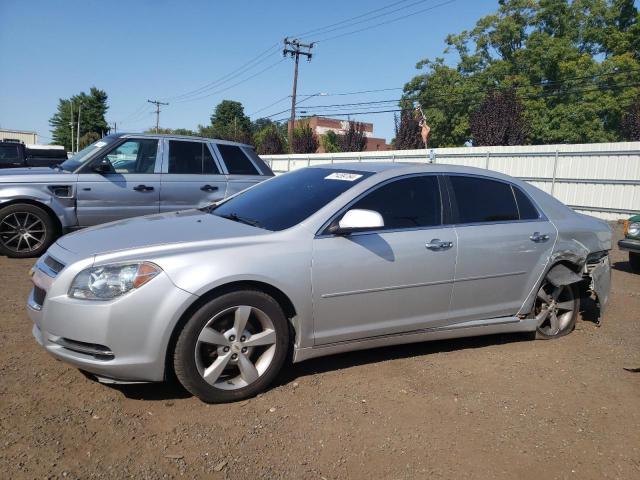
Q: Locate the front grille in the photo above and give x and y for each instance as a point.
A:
(39, 295)
(53, 264)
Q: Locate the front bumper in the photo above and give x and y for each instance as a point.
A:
(629, 245)
(122, 339)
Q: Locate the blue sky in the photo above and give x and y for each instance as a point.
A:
(136, 50)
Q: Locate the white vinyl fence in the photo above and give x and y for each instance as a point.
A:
(599, 179)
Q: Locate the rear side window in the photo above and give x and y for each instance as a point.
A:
(9, 154)
(264, 168)
(525, 207)
(406, 203)
(483, 200)
(191, 158)
(236, 161)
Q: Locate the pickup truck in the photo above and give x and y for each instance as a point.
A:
(15, 154)
(631, 242)
(120, 176)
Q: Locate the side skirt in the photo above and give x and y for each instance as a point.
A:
(459, 330)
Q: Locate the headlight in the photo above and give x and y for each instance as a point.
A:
(634, 229)
(110, 281)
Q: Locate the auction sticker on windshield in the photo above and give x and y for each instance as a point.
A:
(347, 177)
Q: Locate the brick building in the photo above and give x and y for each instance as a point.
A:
(322, 125)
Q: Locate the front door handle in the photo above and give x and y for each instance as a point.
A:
(437, 244)
(539, 237)
(143, 188)
(208, 188)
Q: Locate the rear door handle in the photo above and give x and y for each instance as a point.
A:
(539, 237)
(208, 188)
(437, 244)
(143, 188)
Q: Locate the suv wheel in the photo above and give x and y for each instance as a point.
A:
(634, 261)
(25, 231)
(556, 310)
(232, 347)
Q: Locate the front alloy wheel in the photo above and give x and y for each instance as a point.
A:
(556, 310)
(232, 347)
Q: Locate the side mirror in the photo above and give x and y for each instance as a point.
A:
(357, 220)
(103, 167)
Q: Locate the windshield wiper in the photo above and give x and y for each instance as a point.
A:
(237, 218)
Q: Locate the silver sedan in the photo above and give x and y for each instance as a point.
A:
(318, 261)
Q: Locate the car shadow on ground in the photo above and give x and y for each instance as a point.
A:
(172, 390)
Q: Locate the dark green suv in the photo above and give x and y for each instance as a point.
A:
(631, 241)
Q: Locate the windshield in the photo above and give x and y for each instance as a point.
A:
(79, 158)
(288, 199)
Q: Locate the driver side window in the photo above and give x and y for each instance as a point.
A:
(133, 156)
(411, 202)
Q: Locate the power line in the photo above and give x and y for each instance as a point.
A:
(542, 84)
(316, 30)
(260, 72)
(402, 17)
(232, 74)
(269, 106)
(469, 102)
(363, 91)
(351, 24)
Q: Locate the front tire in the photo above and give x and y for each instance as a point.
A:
(232, 347)
(634, 262)
(25, 230)
(556, 310)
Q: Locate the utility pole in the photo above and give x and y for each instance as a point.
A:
(71, 123)
(294, 48)
(78, 132)
(157, 103)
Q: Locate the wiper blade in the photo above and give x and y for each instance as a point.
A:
(237, 218)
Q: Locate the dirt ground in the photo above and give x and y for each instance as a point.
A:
(493, 407)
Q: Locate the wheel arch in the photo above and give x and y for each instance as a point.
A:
(28, 201)
(278, 295)
(573, 264)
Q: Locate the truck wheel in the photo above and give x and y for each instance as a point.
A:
(25, 230)
(232, 347)
(634, 261)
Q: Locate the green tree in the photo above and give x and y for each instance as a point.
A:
(173, 131)
(92, 108)
(229, 122)
(270, 140)
(631, 123)
(330, 142)
(574, 66)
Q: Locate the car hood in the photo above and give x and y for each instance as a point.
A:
(182, 227)
(30, 174)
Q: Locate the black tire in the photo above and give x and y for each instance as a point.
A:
(570, 293)
(634, 262)
(186, 349)
(42, 234)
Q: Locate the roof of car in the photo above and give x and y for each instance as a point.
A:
(402, 167)
(179, 137)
